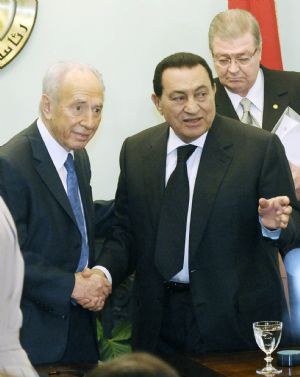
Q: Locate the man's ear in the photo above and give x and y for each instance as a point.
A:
(46, 106)
(156, 101)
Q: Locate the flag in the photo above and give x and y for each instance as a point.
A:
(265, 13)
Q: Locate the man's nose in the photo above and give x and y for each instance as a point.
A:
(87, 120)
(233, 66)
(191, 105)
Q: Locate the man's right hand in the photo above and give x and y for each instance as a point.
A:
(91, 289)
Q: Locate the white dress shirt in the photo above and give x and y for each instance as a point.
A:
(255, 95)
(192, 169)
(58, 154)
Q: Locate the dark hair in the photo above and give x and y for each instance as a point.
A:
(178, 60)
(135, 364)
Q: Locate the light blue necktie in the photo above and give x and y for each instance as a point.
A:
(73, 194)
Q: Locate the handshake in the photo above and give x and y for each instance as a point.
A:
(91, 289)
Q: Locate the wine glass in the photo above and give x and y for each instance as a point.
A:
(267, 335)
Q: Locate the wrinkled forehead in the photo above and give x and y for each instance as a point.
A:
(237, 45)
(80, 82)
(185, 77)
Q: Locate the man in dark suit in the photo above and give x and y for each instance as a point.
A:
(60, 292)
(239, 198)
(235, 43)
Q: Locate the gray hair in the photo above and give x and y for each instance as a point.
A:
(55, 73)
(135, 364)
(233, 23)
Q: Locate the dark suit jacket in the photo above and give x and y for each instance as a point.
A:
(234, 272)
(282, 88)
(49, 238)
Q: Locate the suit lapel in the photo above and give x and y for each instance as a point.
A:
(223, 102)
(215, 160)
(82, 168)
(46, 169)
(83, 183)
(276, 99)
(154, 169)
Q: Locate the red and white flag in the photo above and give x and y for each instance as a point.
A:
(265, 13)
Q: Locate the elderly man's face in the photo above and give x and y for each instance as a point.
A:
(74, 116)
(187, 101)
(237, 62)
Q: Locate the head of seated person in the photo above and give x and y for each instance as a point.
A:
(136, 364)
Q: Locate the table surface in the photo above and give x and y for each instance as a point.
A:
(241, 364)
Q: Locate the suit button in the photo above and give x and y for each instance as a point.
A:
(191, 271)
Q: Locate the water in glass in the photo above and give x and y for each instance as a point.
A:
(267, 335)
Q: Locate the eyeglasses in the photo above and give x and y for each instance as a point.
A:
(241, 60)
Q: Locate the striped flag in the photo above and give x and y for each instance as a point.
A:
(265, 13)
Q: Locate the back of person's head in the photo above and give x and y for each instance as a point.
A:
(233, 23)
(178, 60)
(136, 364)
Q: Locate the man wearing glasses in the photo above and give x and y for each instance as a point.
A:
(245, 89)
(254, 94)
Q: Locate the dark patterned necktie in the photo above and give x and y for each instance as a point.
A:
(169, 252)
(73, 194)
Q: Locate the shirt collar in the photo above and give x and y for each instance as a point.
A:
(174, 141)
(255, 94)
(57, 153)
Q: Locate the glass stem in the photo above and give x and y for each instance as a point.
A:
(268, 360)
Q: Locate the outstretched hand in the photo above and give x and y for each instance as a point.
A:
(275, 212)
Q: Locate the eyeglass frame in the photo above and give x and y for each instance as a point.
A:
(242, 61)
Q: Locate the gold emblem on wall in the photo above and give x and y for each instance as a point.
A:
(17, 18)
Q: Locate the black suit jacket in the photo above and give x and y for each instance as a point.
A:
(234, 272)
(281, 89)
(49, 238)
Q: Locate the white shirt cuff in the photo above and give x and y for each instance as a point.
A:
(105, 271)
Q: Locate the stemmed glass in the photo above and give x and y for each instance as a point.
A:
(267, 335)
